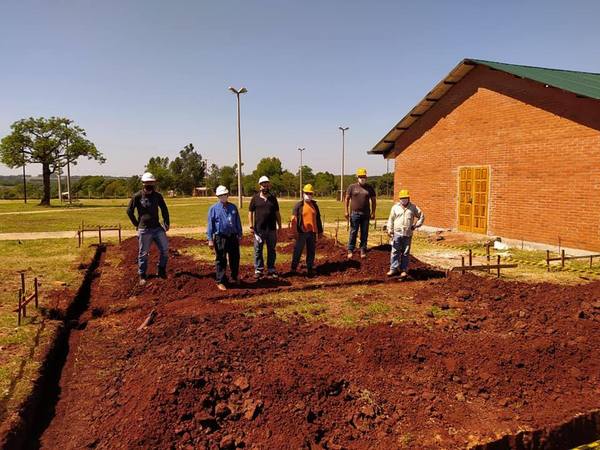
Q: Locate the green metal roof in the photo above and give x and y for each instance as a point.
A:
(580, 83)
(584, 84)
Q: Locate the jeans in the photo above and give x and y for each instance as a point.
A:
(145, 238)
(270, 238)
(310, 240)
(400, 252)
(358, 220)
(226, 246)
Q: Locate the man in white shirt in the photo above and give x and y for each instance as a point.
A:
(404, 218)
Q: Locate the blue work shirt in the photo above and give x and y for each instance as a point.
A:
(223, 219)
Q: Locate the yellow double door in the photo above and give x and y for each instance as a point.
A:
(473, 199)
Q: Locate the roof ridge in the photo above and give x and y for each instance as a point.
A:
(484, 61)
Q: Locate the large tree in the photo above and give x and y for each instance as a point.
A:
(159, 167)
(52, 142)
(189, 169)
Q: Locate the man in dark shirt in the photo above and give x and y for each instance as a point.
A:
(147, 202)
(360, 207)
(264, 218)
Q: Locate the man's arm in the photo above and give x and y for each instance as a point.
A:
(251, 219)
(278, 217)
(373, 206)
(238, 224)
(131, 212)
(420, 215)
(347, 203)
(390, 222)
(209, 227)
(165, 212)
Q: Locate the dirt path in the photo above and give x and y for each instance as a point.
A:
(212, 374)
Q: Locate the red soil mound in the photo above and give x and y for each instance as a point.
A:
(210, 375)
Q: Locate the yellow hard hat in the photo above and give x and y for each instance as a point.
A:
(308, 188)
(403, 193)
(361, 172)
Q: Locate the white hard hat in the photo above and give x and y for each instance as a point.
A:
(263, 179)
(148, 178)
(222, 190)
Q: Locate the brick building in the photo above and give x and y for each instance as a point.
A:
(505, 150)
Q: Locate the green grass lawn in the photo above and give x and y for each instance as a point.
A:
(54, 262)
(185, 212)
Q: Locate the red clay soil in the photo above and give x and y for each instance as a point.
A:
(206, 374)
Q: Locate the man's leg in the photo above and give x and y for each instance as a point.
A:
(405, 254)
(271, 238)
(144, 241)
(311, 247)
(259, 262)
(354, 225)
(162, 242)
(233, 250)
(395, 255)
(298, 248)
(220, 259)
(364, 234)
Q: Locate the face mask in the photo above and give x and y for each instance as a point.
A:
(264, 189)
(223, 198)
(362, 180)
(404, 201)
(308, 197)
(149, 187)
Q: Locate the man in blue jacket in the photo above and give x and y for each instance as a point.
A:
(224, 232)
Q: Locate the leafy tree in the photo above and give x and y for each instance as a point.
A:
(213, 178)
(228, 177)
(385, 184)
(325, 183)
(188, 169)
(307, 175)
(50, 142)
(289, 183)
(159, 167)
(269, 167)
(133, 184)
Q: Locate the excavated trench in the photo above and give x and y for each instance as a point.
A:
(213, 374)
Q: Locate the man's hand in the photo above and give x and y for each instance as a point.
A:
(211, 244)
(373, 215)
(347, 215)
(167, 227)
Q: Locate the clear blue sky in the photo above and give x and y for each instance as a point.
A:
(145, 78)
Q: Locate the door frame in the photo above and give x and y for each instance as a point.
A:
(488, 203)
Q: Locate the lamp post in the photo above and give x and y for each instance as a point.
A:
(301, 149)
(68, 165)
(344, 129)
(24, 179)
(237, 92)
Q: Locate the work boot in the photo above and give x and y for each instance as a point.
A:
(258, 275)
(235, 281)
(143, 280)
(162, 273)
(310, 272)
(294, 271)
(392, 272)
(363, 253)
(221, 287)
(273, 275)
(403, 275)
(349, 255)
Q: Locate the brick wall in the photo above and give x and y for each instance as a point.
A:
(542, 146)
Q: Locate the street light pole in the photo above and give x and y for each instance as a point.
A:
(344, 129)
(24, 179)
(301, 150)
(237, 92)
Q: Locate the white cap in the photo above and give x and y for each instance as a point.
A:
(148, 178)
(222, 190)
(263, 179)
